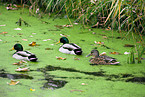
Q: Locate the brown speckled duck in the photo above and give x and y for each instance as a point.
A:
(101, 60)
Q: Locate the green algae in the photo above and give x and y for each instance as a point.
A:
(114, 81)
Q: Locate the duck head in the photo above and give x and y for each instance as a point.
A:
(18, 47)
(94, 53)
(63, 40)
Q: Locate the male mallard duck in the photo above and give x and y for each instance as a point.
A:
(101, 60)
(23, 55)
(69, 48)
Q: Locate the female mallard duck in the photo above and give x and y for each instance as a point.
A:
(69, 48)
(101, 60)
(23, 55)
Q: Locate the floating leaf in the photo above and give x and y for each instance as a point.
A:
(22, 69)
(17, 29)
(128, 45)
(2, 25)
(32, 89)
(126, 53)
(25, 39)
(19, 63)
(64, 35)
(76, 58)
(33, 44)
(76, 23)
(138, 42)
(3, 32)
(99, 42)
(115, 53)
(105, 37)
(30, 36)
(67, 25)
(58, 26)
(13, 82)
(76, 90)
(48, 48)
(60, 58)
(84, 84)
(19, 33)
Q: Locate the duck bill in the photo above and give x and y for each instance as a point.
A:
(12, 49)
(58, 42)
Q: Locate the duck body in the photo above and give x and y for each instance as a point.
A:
(69, 48)
(23, 55)
(101, 60)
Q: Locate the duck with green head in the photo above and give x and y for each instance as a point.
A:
(101, 60)
(69, 48)
(23, 55)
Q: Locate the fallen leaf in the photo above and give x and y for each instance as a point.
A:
(25, 39)
(3, 32)
(105, 37)
(32, 89)
(17, 29)
(115, 53)
(76, 90)
(30, 36)
(76, 23)
(60, 27)
(48, 48)
(19, 33)
(2, 25)
(99, 42)
(64, 35)
(67, 25)
(84, 84)
(138, 42)
(76, 58)
(13, 82)
(128, 45)
(126, 53)
(33, 44)
(60, 58)
(19, 63)
(22, 69)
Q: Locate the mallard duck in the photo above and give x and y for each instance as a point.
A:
(23, 55)
(69, 48)
(101, 60)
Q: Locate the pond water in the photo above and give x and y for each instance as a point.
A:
(74, 76)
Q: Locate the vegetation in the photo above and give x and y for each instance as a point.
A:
(128, 15)
(121, 15)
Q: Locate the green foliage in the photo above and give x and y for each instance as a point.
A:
(128, 15)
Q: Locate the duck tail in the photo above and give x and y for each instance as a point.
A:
(78, 51)
(33, 58)
(115, 63)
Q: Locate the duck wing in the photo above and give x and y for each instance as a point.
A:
(24, 53)
(70, 46)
